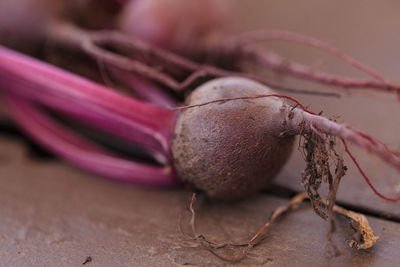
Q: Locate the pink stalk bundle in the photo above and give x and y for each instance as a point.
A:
(27, 83)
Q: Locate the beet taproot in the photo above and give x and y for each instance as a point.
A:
(230, 150)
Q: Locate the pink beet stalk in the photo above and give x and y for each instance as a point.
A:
(81, 152)
(144, 89)
(26, 81)
(244, 43)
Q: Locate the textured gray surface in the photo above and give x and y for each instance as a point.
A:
(55, 215)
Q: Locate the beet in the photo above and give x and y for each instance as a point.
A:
(178, 25)
(26, 24)
(233, 149)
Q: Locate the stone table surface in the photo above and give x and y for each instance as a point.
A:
(55, 215)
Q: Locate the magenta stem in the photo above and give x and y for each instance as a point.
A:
(144, 89)
(92, 116)
(82, 152)
(140, 122)
(278, 63)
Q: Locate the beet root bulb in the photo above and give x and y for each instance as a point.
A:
(230, 150)
(177, 25)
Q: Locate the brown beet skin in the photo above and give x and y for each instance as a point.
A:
(230, 150)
